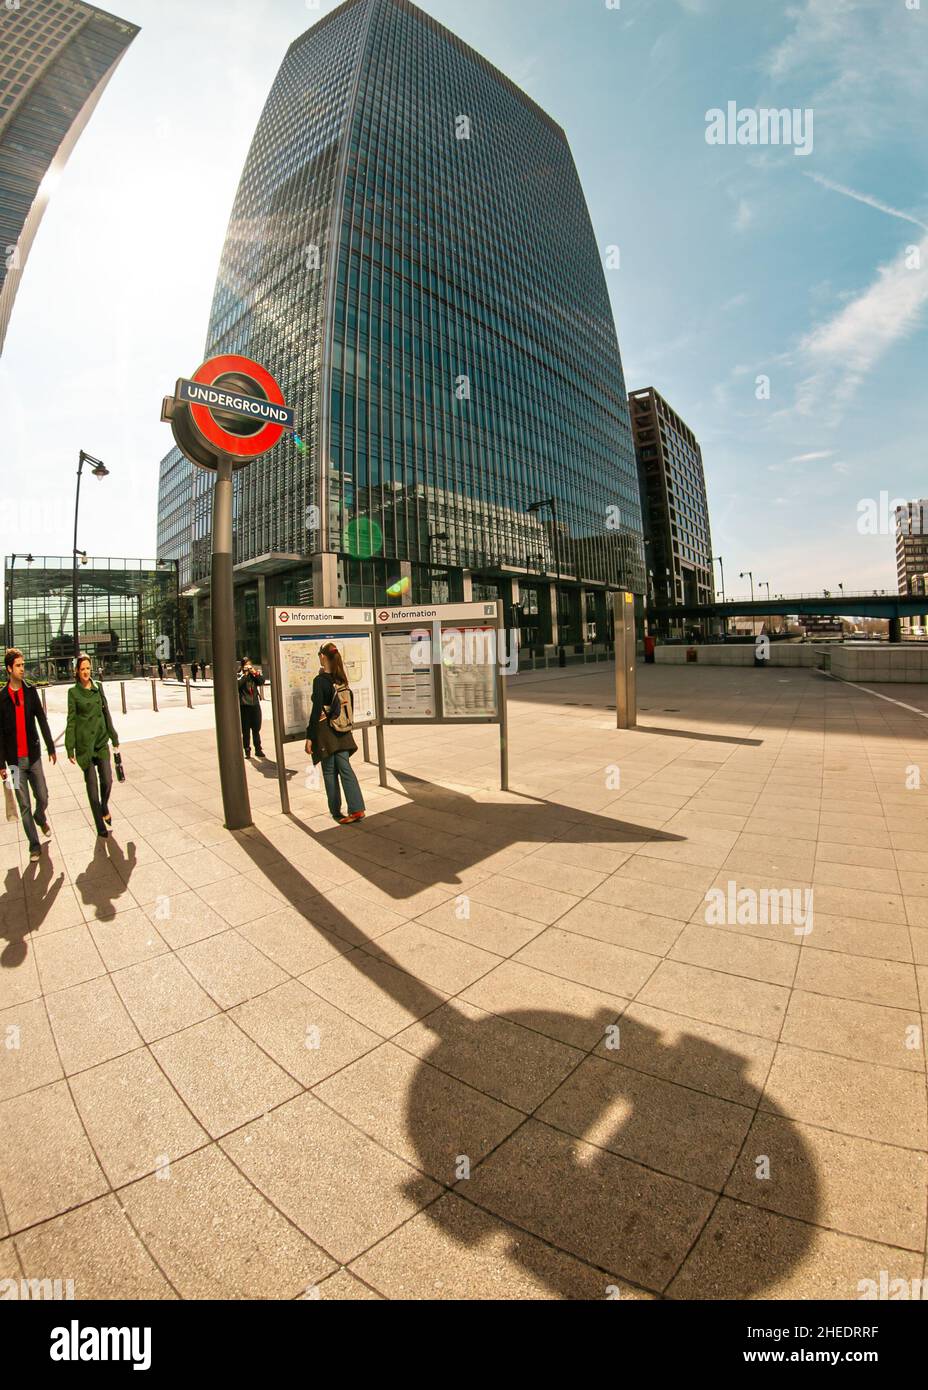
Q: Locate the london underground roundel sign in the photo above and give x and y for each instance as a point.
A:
(230, 408)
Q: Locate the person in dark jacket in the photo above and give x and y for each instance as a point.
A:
(333, 750)
(20, 754)
(87, 737)
(250, 681)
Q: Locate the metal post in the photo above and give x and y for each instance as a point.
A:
(561, 657)
(122, 692)
(77, 626)
(366, 744)
(277, 711)
(189, 699)
(235, 803)
(501, 704)
(154, 696)
(381, 756)
(44, 701)
(626, 698)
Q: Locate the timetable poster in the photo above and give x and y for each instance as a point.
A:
(299, 666)
(408, 677)
(468, 673)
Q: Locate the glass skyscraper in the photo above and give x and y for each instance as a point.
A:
(411, 255)
(56, 57)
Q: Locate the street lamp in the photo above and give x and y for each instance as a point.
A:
(718, 558)
(750, 576)
(99, 470)
(9, 598)
(763, 584)
(179, 647)
(536, 507)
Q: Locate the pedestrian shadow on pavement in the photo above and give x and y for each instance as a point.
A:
(267, 768)
(438, 834)
(106, 876)
(27, 901)
(602, 1159)
(697, 734)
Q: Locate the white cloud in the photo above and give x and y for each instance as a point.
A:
(808, 458)
(852, 53)
(744, 216)
(843, 350)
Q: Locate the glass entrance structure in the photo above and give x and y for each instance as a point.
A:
(128, 610)
(411, 255)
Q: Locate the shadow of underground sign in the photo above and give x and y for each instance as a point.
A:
(231, 407)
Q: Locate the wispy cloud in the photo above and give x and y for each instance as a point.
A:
(842, 351)
(867, 199)
(852, 53)
(809, 458)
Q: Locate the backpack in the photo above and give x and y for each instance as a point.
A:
(341, 711)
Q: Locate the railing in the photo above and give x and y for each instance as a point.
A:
(830, 595)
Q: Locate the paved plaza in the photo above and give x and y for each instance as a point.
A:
(485, 1045)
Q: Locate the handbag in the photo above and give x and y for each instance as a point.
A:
(120, 770)
(12, 810)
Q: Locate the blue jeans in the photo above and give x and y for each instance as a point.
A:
(338, 767)
(28, 777)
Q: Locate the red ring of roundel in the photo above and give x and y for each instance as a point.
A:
(214, 434)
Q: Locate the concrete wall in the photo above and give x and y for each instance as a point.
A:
(905, 663)
(740, 654)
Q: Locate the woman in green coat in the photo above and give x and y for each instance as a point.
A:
(87, 737)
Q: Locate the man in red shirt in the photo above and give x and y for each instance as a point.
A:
(20, 752)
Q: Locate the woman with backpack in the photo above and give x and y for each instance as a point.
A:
(329, 739)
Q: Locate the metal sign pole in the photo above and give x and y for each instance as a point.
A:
(235, 803)
(277, 706)
(378, 704)
(501, 703)
(626, 698)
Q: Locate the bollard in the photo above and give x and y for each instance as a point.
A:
(154, 696)
(44, 702)
(122, 691)
(189, 699)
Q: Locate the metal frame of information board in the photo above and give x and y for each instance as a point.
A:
(435, 619)
(318, 625)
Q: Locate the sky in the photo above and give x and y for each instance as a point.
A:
(776, 295)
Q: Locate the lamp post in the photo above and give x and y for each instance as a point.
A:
(750, 576)
(763, 584)
(717, 559)
(99, 470)
(536, 507)
(163, 564)
(9, 597)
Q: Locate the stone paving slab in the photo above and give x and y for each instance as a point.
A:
(661, 1033)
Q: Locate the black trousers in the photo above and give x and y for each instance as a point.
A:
(98, 779)
(251, 726)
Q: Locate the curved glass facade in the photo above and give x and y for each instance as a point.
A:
(411, 254)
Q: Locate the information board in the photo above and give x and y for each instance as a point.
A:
(468, 673)
(408, 674)
(299, 666)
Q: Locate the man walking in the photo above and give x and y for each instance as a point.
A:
(20, 753)
(250, 681)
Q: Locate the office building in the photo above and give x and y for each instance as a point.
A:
(129, 613)
(678, 543)
(410, 254)
(912, 557)
(56, 57)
